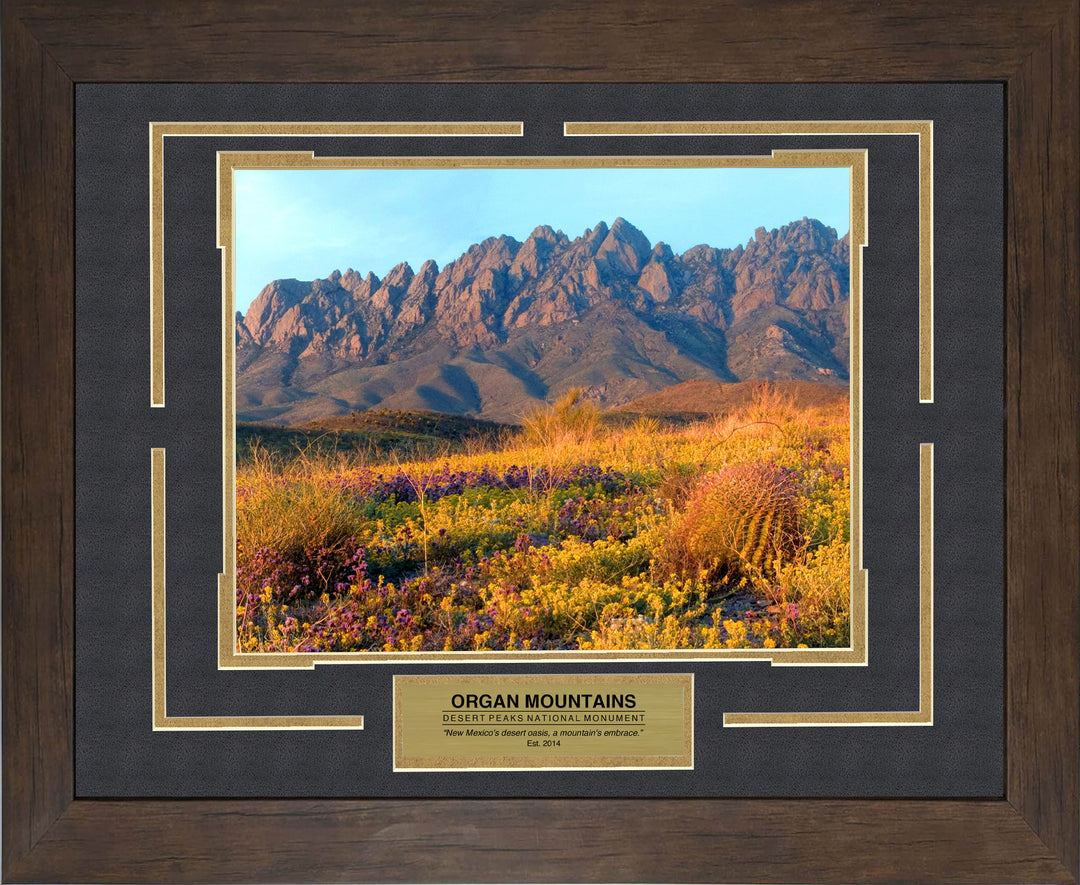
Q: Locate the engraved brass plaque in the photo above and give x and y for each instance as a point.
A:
(544, 721)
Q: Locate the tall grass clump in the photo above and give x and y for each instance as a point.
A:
(291, 509)
(770, 405)
(571, 422)
(561, 434)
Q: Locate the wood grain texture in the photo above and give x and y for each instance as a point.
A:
(1029, 836)
(1042, 434)
(620, 840)
(555, 41)
(37, 475)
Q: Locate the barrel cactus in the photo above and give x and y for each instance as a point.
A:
(742, 520)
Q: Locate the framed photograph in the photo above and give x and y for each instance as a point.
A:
(513, 458)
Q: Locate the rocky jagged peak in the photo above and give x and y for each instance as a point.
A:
(399, 275)
(623, 228)
(808, 235)
(393, 286)
(532, 257)
(495, 251)
(272, 302)
(805, 235)
(325, 286)
(661, 275)
(624, 231)
(491, 255)
(702, 254)
(359, 286)
(625, 249)
(593, 238)
(800, 265)
(277, 313)
(426, 276)
(760, 243)
(501, 244)
(662, 253)
(547, 233)
(419, 300)
(335, 275)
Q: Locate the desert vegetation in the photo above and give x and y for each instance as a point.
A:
(578, 529)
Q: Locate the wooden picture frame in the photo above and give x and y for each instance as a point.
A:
(1031, 834)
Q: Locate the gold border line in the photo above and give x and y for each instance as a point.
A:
(923, 130)
(162, 721)
(925, 714)
(230, 161)
(158, 131)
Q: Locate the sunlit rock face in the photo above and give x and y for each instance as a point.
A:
(511, 323)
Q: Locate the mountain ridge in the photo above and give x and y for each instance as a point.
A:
(512, 323)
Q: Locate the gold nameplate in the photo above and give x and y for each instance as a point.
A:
(544, 721)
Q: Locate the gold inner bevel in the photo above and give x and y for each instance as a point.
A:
(230, 161)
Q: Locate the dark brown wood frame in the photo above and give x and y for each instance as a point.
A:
(1032, 834)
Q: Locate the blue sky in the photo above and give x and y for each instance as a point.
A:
(305, 223)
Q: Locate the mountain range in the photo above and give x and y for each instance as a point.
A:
(510, 324)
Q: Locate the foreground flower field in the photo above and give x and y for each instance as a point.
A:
(580, 531)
